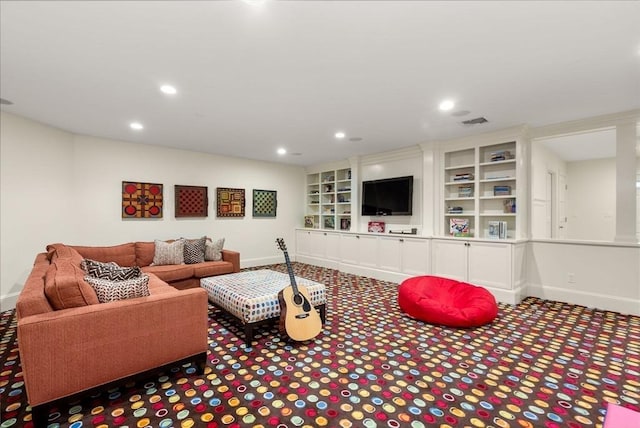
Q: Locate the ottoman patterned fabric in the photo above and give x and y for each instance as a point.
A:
(253, 295)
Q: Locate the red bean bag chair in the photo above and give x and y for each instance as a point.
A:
(446, 301)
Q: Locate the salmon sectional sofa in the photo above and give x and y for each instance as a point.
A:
(70, 343)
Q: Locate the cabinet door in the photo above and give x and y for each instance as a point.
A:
(367, 250)
(317, 245)
(415, 256)
(490, 264)
(390, 253)
(303, 242)
(349, 249)
(450, 259)
(332, 246)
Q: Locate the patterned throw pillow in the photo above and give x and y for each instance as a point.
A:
(169, 253)
(194, 250)
(213, 249)
(110, 271)
(111, 291)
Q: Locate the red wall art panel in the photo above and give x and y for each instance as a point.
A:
(230, 202)
(191, 201)
(141, 200)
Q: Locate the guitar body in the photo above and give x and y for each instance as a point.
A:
(298, 318)
(296, 322)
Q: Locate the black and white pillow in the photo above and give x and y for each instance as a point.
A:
(111, 271)
(111, 291)
(194, 250)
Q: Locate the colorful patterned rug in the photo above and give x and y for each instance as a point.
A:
(540, 364)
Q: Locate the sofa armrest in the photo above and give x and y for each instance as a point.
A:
(72, 350)
(233, 257)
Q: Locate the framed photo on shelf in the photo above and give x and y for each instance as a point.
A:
(309, 222)
(345, 224)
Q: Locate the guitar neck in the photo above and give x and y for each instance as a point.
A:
(292, 278)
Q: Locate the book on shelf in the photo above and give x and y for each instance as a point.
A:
(454, 210)
(500, 155)
(497, 230)
(501, 190)
(459, 227)
(467, 176)
(465, 191)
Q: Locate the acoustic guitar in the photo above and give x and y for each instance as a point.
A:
(298, 318)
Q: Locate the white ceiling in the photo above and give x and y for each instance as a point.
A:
(252, 78)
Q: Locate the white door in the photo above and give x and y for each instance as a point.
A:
(562, 206)
(548, 206)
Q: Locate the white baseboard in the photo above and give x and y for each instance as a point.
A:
(246, 263)
(592, 300)
(8, 301)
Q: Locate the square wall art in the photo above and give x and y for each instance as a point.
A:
(230, 202)
(141, 200)
(191, 201)
(265, 203)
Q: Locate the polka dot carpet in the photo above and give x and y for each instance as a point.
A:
(539, 364)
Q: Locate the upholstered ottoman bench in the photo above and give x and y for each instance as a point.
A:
(252, 296)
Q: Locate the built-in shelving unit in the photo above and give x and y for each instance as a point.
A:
(329, 200)
(479, 192)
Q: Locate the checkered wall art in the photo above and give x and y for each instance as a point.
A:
(141, 200)
(191, 201)
(265, 203)
(230, 202)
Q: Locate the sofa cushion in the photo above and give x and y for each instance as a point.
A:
(144, 253)
(194, 250)
(203, 270)
(123, 255)
(213, 249)
(62, 251)
(110, 271)
(65, 287)
(170, 272)
(168, 253)
(111, 291)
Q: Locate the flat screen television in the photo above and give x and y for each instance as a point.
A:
(389, 196)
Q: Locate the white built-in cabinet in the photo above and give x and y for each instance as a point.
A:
(380, 256)
(480, 190)
(329, 200)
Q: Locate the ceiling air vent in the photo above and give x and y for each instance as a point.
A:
(476, 121)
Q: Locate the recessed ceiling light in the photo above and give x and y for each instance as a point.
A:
(446, 105)
(340, 135)
(282, 151)
(136, 125)
(168, 89)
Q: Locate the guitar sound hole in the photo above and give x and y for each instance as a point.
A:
(297, 299)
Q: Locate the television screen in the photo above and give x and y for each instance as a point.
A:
(389, 196)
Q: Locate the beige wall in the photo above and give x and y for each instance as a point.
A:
(61, 187)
